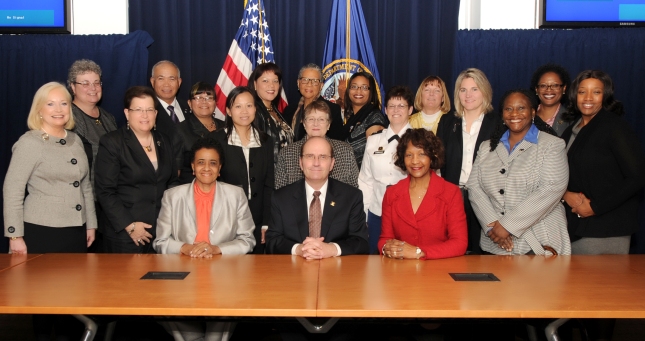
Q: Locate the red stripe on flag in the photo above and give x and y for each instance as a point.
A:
(236, 76)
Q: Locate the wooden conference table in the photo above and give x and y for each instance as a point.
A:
(351, 286)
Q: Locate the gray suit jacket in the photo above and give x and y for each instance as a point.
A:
(231, 224)
(522, 190)
(57, 177)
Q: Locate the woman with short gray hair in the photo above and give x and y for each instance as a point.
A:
(310, 83)
(92, 121)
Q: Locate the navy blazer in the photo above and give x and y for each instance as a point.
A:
(127, 185)
(606, 164)
(450, 133)
(343, 220)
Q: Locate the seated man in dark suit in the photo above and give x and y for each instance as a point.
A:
(317, 217)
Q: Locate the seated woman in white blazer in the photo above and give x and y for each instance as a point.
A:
(517, 182)
(205, 217)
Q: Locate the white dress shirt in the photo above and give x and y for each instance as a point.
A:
(309, 193)
(469, 147)
(176, 107)
(378, 170)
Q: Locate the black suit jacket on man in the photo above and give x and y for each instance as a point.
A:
(335, 131)
(343, 220)
(127, 185)
(450, 133)
(607, 165)
(261, 175)
(165, 125)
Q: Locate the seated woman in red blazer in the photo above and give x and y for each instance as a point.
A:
(423, 215)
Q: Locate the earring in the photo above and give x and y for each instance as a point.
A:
(154, 127)
(41, 117)
(533, 119)
(128, 125)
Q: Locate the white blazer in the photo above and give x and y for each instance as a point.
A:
(231, 223)
(523, 191)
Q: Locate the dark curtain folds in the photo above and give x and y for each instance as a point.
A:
(509, 58)
(29, 61)
(411, 39)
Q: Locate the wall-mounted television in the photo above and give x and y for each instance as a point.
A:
(592, 13)
(34, 16)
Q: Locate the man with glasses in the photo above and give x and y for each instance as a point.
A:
(317, 122)
(317, 217)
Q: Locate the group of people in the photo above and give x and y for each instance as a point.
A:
(554, 170)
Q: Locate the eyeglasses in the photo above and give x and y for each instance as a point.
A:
(314, 81)
(140, 111)
(555, 87)
(204, 98)
(312, 120)
(86, 84)
(397, 107)
(312, 157)
(356, 87)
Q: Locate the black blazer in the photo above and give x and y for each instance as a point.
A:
(343, 220)
(169, 128)
(450, 133)
(127, 186)
(335, 131)
(190, 130)
(606, 164)
(261, 174)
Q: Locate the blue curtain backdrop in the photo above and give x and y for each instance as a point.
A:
(29, 61)
(411, 39)
(509, 58)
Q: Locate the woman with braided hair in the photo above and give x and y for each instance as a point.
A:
(515, 186)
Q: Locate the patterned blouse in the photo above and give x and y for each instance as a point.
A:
(358, 124)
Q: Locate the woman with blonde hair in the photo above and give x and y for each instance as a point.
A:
(57, 215)
(474, 122)
(432, 102)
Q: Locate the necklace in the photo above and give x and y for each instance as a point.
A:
(45, 136)
(148, 148)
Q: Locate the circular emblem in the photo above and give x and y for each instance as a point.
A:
(335, 77)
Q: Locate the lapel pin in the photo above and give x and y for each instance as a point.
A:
(380, 148)
(333, 203)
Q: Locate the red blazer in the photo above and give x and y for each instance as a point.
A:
(438, 227)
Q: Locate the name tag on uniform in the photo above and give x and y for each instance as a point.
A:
(379, 151)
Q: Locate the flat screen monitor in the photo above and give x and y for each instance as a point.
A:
(593, 13)
(34, 16)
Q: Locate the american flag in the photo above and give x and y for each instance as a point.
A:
(251, 47)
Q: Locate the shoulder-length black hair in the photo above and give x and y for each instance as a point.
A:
(373, 99)
(258, 72)
(609, 103)
(228, 123)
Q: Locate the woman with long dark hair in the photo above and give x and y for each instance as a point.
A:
(363, 115)
(266, 85)
(249, 155)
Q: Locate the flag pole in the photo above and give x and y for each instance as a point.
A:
(261, 30)
(347, 43)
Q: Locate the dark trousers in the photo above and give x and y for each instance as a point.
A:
(474, 229)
